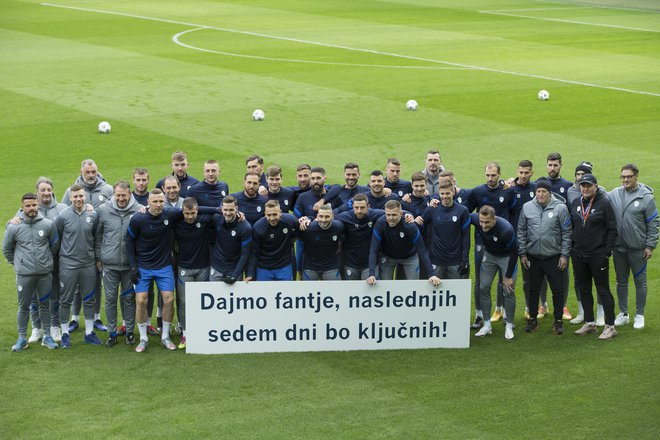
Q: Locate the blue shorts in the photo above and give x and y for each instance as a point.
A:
(164, 278)
(282, 274)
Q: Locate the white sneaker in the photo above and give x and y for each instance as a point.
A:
(579, 319)
(56, 334)
(508, 333)
(485, 330)
(600, 317)
(36, 335)
(621, 319)
(639, 322)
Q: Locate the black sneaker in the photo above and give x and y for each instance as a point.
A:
(558, 327)
(532, 325)
(111, 342)
(130, 339)
(478, 322)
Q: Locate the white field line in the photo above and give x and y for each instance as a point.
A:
(586, 23)
(177, 40)
(589, 5)
(538, 9)
(467, 66)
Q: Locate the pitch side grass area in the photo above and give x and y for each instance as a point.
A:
(333, 78)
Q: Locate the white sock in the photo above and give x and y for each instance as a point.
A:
(498, 309)
(166, 330)
(75, 318)
(183, 333)
(487, 324)
(65, 328)
(480, 314)
(97, 316)
(89, 326)
(580, 308)
(143, 331)
(123, 322)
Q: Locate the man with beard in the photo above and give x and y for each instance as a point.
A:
(141, 182)
(180, 172)
(251, 202)
(376, 195)
(322, 241)
(210, 191)
(112, 260)
(304, 207)
(97, 192)
(392, 180)
(272, 238)
(30, 247)
(78, 271)
(303, 175)
(285, 196)
(559, 184)
(348, 190)
(432, 171)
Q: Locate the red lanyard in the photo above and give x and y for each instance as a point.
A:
(585, 212)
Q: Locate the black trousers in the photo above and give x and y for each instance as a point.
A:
(595, 268)
(548, 268)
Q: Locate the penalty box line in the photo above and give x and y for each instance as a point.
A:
(336, 46)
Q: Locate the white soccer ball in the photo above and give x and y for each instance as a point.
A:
(412, 105)
(544, 95)
(104, 127)
(258, 115)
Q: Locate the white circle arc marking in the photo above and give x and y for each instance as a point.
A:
(177, 40)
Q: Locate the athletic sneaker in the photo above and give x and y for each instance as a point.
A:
(66, 340)
(541, 313)
(111, 342)
(36, 335)
(98, 325)
(47, 341)
(142, 346)
(508, 332)
(622, 319)
(167, 343)
(558, 327)
(639, 322)
(130, 339)
(566, 314)
(579, 319)
(478, 322)
(92, 339)
(182, 342)
(73, 326)
(153, 331)
(587, 327)
(485, 330)
(496, 316)
(20, 345)
(121, 330)
(56, 333)
(600, 316)
(608, 332)
(532, 325)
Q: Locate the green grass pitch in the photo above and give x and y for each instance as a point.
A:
(333, 78)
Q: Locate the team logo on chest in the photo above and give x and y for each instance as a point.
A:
(41, 233)
(166, 222)
(550, 215)
(183, 273)
(223, 193)
(285, 230)
(531, 194)
(233, 233)
(101, 198)
(501, 199)
(401, 234)
(561, 190)
(88, 219)
(334, 238)
(400, 193)
(370, 224)
(286, 202)
(258, 208)
(636, 204)
(454, 219)
(494, 238)
(518, 195)
(460, 199)
(199, 225)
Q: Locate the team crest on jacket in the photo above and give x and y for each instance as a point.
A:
(334, 238)
(285, 230)
(562, 190)
(20, 288)
(531, 194)
(454, 219)
(101, 197)
(550, 215)
(199, 225)
(41, 233)
(233, 233)
(636, 204)
(370, 224)
(286, 202)
(401, 234)
(258, 208)
(494, 238)
(460, 200)
(166, 222)
(518, 195)
(223, 193)
(501, 199)
(183, 273)
(400, 193)
(88, 219)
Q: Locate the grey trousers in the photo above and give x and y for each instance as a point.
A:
(117, 283)
(27, 286)
(314, 275)
(54, 304)
(448, 272)
(77, 299)
(625, 263)
(410, 267)
(82, 280)
(184, 275)
(352, 273)
(492, 265)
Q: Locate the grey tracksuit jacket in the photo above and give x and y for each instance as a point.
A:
(30, 246)
(545, 231)
(97, 194)
(76, 232)
(110, 246)
(636, 217)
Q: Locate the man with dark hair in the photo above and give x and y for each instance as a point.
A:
(251, 202)
(322, 240)
(285, 196)
(180, 171)
(30, 247)
(231, 251)
(210, 191)
(141, 182)
(461, 195)
(544, 245)
(272, 238)
(348, 190)
(305, 204)
(112, 260)
(559, 184)
(637, 224)
(171, 190)
(255, 164)
(418, 200)
(377, 196)
(358, 226)
(392, 180)
(500, 256)
(594, 238)
(303, 176)
(432, 171)
(396, 242)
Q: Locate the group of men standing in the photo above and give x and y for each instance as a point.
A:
(190, 230)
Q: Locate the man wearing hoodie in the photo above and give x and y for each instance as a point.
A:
(112, 260)
(544, 244)
(637, 224)
(97, 192)
(29, 247)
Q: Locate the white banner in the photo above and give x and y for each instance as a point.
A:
(271, 316)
